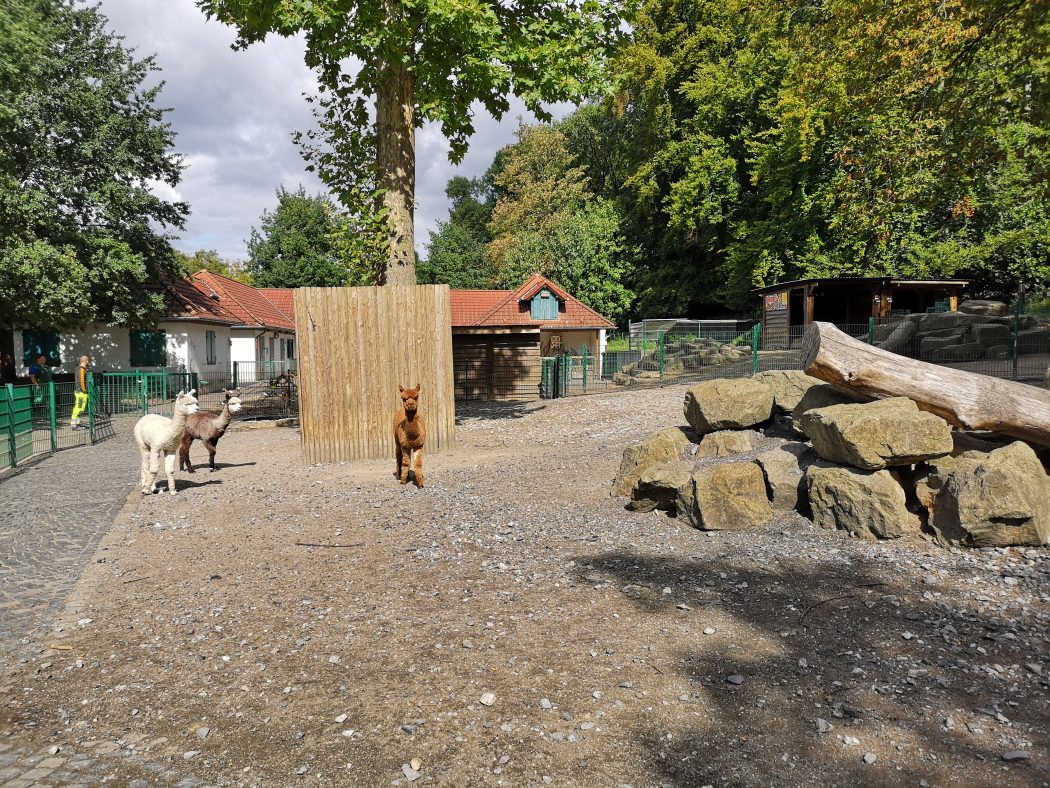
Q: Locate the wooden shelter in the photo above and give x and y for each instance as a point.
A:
(788, 307)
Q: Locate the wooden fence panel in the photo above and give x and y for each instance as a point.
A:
(356, 345)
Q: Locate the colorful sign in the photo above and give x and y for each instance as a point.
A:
(777, 302)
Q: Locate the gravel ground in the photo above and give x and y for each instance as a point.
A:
(512, 624)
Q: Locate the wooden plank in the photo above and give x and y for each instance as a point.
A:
(356, 346)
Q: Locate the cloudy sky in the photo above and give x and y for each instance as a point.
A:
(234, 113)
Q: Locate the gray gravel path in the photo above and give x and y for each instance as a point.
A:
(52, 516)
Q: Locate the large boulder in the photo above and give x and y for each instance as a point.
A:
(784, 471)
(981, 307)
(901, 339)
(820, 397)
(967, 351)
(869, 504)
(930, 479)
(1033, 340)
(725, 404)
(927, 345)
(991, 334)
(726, 443)
(996, 499)
(666, 445)
(726, 497)
(941, 321)
(789, 386)
(660, 483)
(877, 434)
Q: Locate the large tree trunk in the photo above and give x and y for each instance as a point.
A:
(964, 399)
(396, 157)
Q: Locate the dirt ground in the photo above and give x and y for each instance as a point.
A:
(214, 630)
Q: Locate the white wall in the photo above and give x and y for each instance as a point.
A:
(244, 345)
(188, 347)
(110, 348)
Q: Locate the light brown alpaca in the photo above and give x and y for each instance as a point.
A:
(410, 432)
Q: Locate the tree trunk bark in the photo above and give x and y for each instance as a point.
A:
(963, 399)
(396, 157)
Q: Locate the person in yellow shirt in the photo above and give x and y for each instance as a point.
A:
(80, 393)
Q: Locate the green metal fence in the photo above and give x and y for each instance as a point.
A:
(36, 421)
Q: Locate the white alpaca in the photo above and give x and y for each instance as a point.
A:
(158, 435)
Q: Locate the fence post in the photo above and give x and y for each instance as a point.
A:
(142, 388)
(585, 366)
(756, 332)
(235, 373)
(1017, 328)
(52, 420)
(92, 393)
(194, 381)
(660, 350)
(871, 330)
(9, 406)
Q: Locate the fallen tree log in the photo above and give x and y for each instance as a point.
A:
(964, 399)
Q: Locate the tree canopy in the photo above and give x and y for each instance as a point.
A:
(296, 243)
(210, 260)
(430, 60)
(81, 142)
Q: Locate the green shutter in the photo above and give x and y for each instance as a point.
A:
(41, 343)
(148, 348)
(544, 306)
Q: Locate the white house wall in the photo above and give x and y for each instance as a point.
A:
(110, 348)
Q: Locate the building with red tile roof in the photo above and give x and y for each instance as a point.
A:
(499, 337)
(264, 334)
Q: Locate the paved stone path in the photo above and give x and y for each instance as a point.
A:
(53, 514)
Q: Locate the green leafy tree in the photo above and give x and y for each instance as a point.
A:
(210, 260)
(547, 221)
(429, 60)
(297, 244)
(456, 254)
(80, 142)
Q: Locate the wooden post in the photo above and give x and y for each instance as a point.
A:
(810, 305)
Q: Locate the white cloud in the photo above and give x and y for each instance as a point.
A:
(234, 113)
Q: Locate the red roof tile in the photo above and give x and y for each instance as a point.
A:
(183, 301)
(250, 306)
(281, 297)
(477, 308)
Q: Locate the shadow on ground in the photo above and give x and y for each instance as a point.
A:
(874, 654)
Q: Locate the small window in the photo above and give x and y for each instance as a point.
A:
(41, 343)
(209, 341)
(148, 348)
(544, 306)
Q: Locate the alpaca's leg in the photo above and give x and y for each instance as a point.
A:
(397, 458)
(184, 454)
(406, 459)
(418, 466)
(210, 446)
(154, 468)
(169, 466)
(144, 470)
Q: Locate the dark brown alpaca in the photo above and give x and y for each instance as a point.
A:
(410, 433)
(208, 427)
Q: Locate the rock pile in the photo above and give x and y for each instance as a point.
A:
(878, 470)
(680, 357)
(980, 329)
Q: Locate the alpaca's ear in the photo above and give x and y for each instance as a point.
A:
(400, 389)
(418, 387)
(224, 391)
(179, 395)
